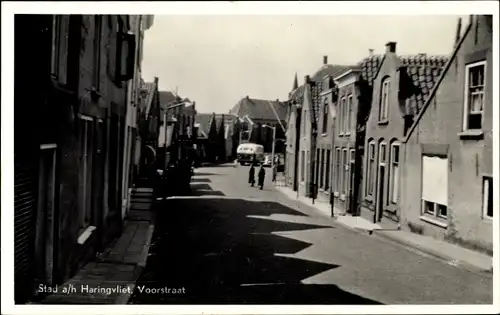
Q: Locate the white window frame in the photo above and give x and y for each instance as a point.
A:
(337, 170)
(348, 115)
(327, 169)
(345, 170)
(487, 181)
(370, 168)
(302, 166)
(392, 179)
(325, 116)
(467, 94)
(435, 205)
(385, 89)
(342, 113)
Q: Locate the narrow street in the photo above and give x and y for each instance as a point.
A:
(229, 243)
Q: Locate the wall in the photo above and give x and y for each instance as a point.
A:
(344, 140)
(324, 142)
(305, 142)
(469, 159)
(290, 147)
(389, 131)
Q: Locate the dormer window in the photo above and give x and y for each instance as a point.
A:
(383, 113)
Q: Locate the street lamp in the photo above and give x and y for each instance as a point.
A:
(274, 140)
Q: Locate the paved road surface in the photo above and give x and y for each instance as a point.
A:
(229, 243)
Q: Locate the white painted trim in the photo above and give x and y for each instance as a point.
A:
(466, 93)
(86, 234)
(85, 117)
(428, 219)
(47, 146)
(486, 183)
(346, 81)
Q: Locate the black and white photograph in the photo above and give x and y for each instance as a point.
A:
(250, 157)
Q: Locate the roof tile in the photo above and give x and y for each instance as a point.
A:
(259, 109)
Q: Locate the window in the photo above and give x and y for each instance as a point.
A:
(342, 114)
(370, 168)
(353, 156)
(435, 186)
(97, 51)
(488, 197)
(302, 130)
(337, 170)
(86, 171)
(325, 116)
(474, 95)
(382, 153)
(322, 174)
(394, 173)
(302, 166)
(327, 171)
(348, 114)
(56, 41)
(345, 175)
(384, 100)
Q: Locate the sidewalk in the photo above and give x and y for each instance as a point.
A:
(451, 253)
(111, 277)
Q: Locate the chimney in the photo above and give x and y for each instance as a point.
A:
(459, 31)
(422, 54)
(390, 47)
(247, 97)
(370, 52)
(325, 60)
(307, 79)
(156, 80)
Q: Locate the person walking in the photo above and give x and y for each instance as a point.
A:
(251, 175)
(262, 176)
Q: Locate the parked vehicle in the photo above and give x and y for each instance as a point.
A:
(247, 152)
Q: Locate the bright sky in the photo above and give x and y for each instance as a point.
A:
(217, 60)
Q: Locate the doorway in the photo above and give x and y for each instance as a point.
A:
(380, 196)
(45, 224)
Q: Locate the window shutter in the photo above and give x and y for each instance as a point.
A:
(131, 55)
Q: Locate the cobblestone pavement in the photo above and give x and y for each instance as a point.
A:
(231, 243)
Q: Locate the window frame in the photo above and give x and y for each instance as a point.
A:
(371, 161)
(96, 62)
(466, 110)
(302, 166)
(327, 169)
(348, 115)
(435, 205)
(487, 197)
(56, 46)
(392, 179)
(345, 171)
(337, 169)
(325, 116)
(385, 88)
(342, 113)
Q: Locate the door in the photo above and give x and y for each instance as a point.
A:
(380, 195)
(352, 190)
(44, 251)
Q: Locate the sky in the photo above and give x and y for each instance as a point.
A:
(217, 60)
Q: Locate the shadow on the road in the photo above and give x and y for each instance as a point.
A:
(198, 190)
(220, 255)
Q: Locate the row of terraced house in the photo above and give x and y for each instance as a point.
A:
(86, 126)
(405, 141)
